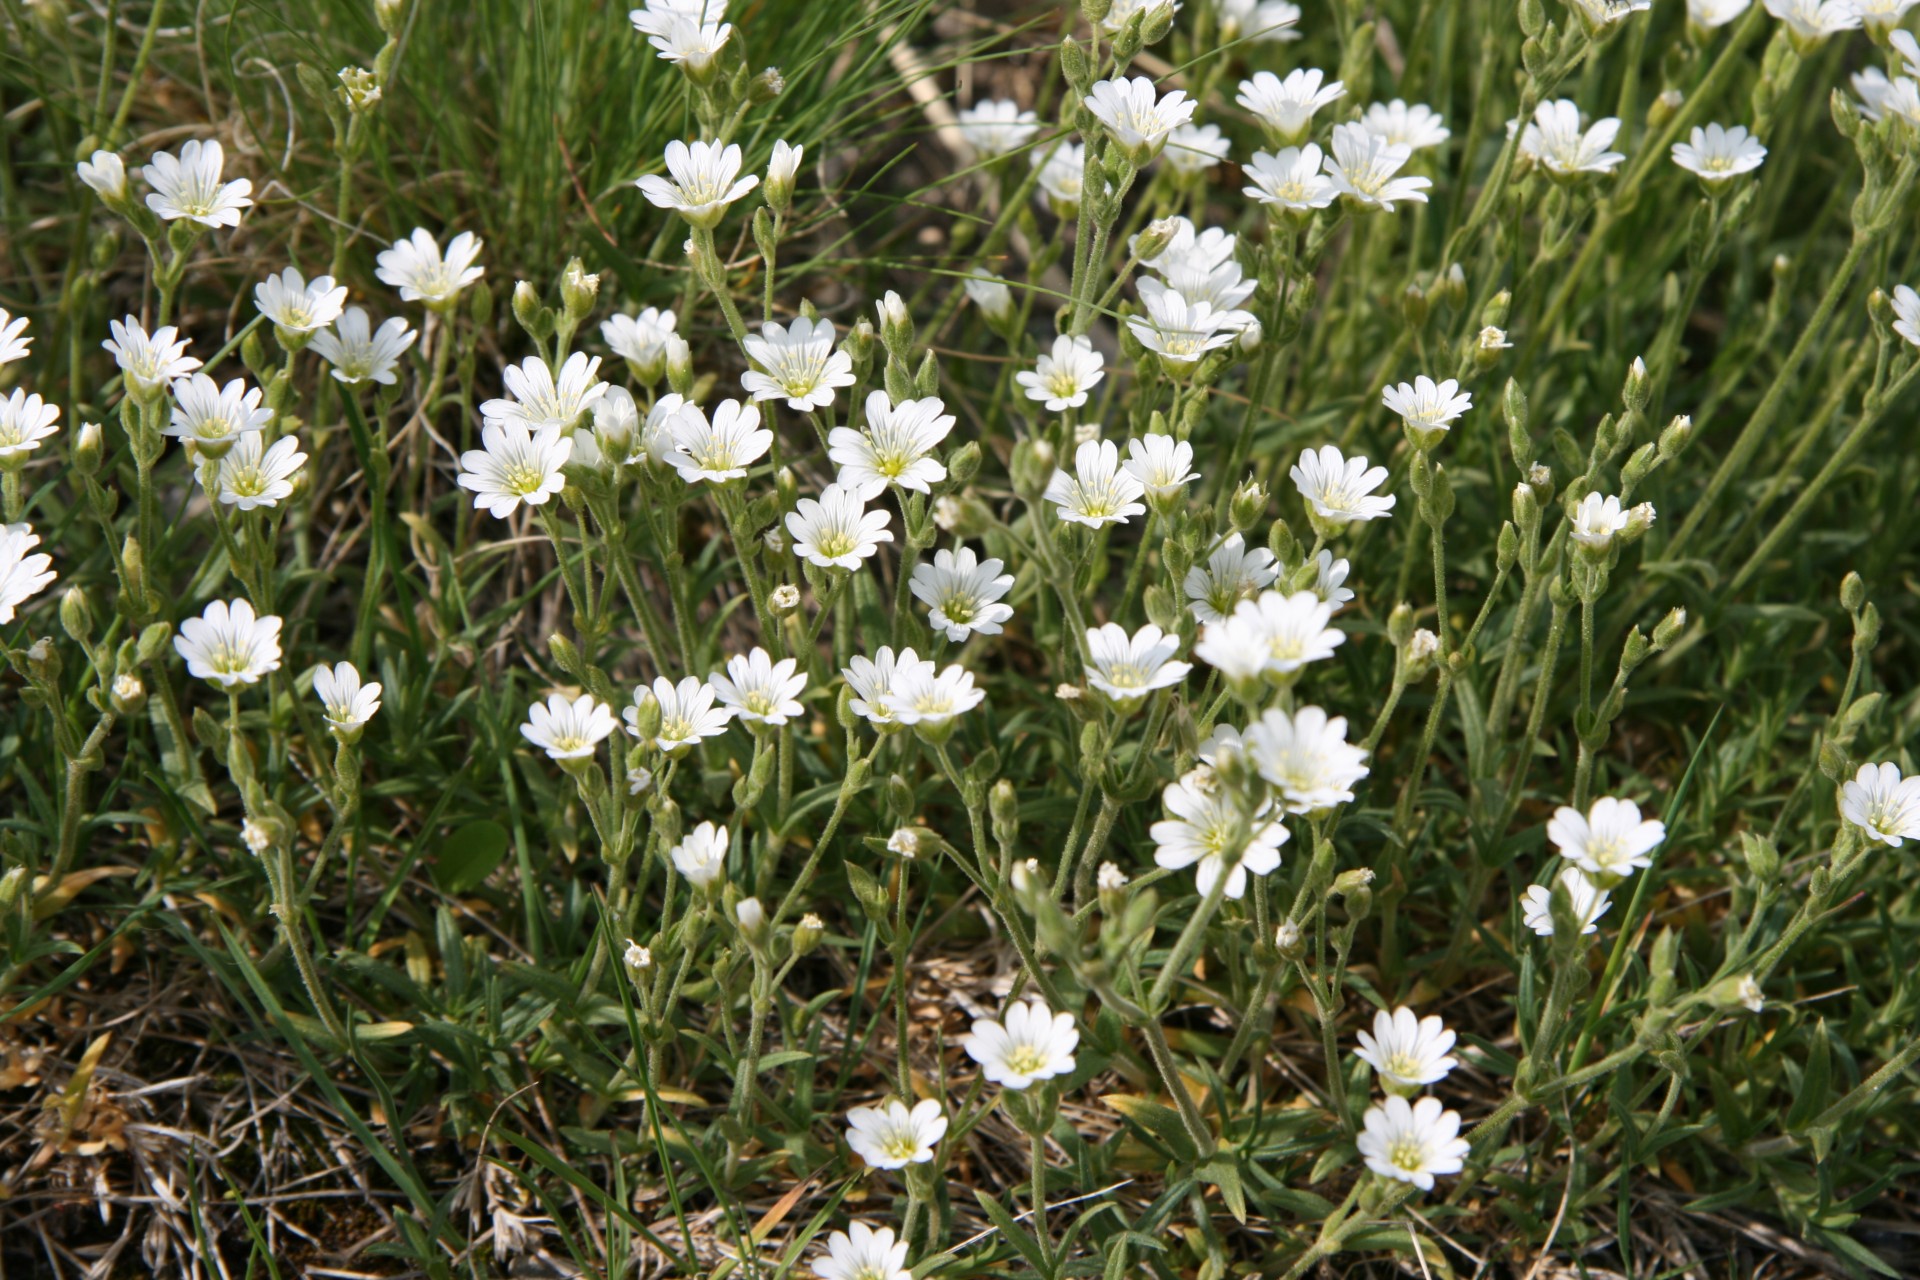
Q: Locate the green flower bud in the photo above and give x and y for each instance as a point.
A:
(1668, 629)
(808, 933)
(1853, 592)
(766, 86)
(1248, 506)
(578, 290)
(76, 616)
(1761, 855)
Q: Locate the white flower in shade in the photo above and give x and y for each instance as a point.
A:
(1293, 628)
(24, 572)
(759, 690)
(1339, 489)
(1885, 806)
(1425, 405)
(1233, 572)
(149, 362)
(800, 364)
(1188, 249)
(1235, 647)
(1329, 574)
(1812, 20)
(190, 186)
(1257, 20)
(1062, 174)
(1223, 287)
(212, 417)
(1307, 757)
(687, 713)
(345, 703)
(296, 305)
(1137, 118)
(1407, 1051)
(1717, 154)
(1596, 519)
(1708, 14)
(1097, 491)
(873, 679)
(928, 701)
(1062, 378)
(1413, 1142)
(896, 447)
(536, 400)
(720, 449)
(1609, 842)
(1553, 140)
(1126, 667)
(256, 475)
(641, 340)
(863, 1253)
(1030, 1043)
(13, 340)
(701, 855)
(990, 293)
(416, 267)
(1192, 149)
(228, 645)
(654, 444)
(962, 593)
(104, 172)
(1906, 313)
(1287, 106)
(1880, 15)
(568, 728)
(360, 353)
(1417, 126)
(1206, 831)
(892, 1137)
(997, 127)
(1589, 903)
(1601, 14)
(1162, 465)
(1901, 99)
(704, 180)
(1181, 332)
(837, 532)
(1290, 180)
(514, 465)
(25, 420)
(1908, 48)
(1363, 166)
(678, 38)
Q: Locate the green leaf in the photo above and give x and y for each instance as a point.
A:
(1224, 1172)
(1811, 1098)
(1018, 1236)
(469, 855)
(1158, 1119)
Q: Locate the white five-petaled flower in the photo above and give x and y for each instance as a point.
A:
(228, 644)
(416, 267)
(25, 420)
(1906, 313)
(837, 532)
(1290, 180)
(1257, 20)
(687, 713)
(1097, 491)
(863, 1253)
(1407, 1051)
(1425, 405)
(1031, 1043)
(896, 447)
(1412, 1142)
(997, 126)
(1180, 332)
(297, 305)
(679, 38)
(1307, 757)
(1553, 140)
(962, 593)
(1192, 149)
(1596, 519)
(1292, 628)
(1223, 287)
(345, 702)
(1363, 166)
(1062, 175)
(1885, 806)
(705, 179)
(1135, 115)
(1207, 831)
(759, 690)
(1233, 572)
(1589, 903)
(1812, 20)
(536, 400)
(701, 855)
(1122, 11)
(1061, 379)
(211, 417)
(1329, 574)
(253, 474)
(104, 172)
(360, 353)
(893, 1137)
(1719, 154)
(990, 293)
(568, 728)
(1417, 126)
(190, 186)
(1286, 106)
(1189, 248)
(720, 449)
(1162, 465)
(927, 700)
(873, 679)
(1609, 842)
(1879, 16)
(1340, 489)
(514, 465)
(24, 572)
(1127, 668)
(641, 340)
(800, 363)
(14, 341)
(783, 169)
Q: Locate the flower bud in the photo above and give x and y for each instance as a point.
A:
(1004, 808)
(896, 326)
(1668, 629)
(1248, 506)
(1495, 312)
(638, 959)
(679, 359)
(766, 86)
(1400, 625)
(1413, 306)
(76, 615)
(1507, 546)
(579, 289)
(389, 14)
(127, 694)
(1761, 855)
(901, 802)
(1111, 884)
(1853, 592)
(1289, 941)
(784, 600)
(808, 933)
(88, 449)
(751, 917)
(1639, 388)
(1073, 65)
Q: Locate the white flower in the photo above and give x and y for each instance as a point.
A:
(1363, 166)
(212, 417)
(1097, 492)
(1901, 99)
(1137, 118)
(641, 340)
(1596, 519)
(25, 420)
(1307, 757)
(1589, 903)
(687, 713)
(228, 645)
(1287, 106)
(568, 729)
(961, 593)
(1906, 313)
(1290, 180)
(1610, 842)
(1426, 406)
(1553, 140)
(22, 575)
(1413, 1142)
(1122, 11)
(862, 1253)
(990, 293)
(255, 836)
(705, 180)
(1060, 380)
(1223, 287)
(678, 38)
(1407, 1051)
(1293, 629)
(297, 306)
(345, 703)
(997, 127)
(416, 268)
(1491, 338)
(1340, 489)
(1328, 575)
(1708, 14)
(1879, 15)
(1126, 667)
(760, 690)
(1417, 126)
(1601, 14)
(1815, 19)
(837, 532)
(1885, 806)
(13, 342)
(1031, 1043)
(1162, 465)
(721, 449)
(1208, 832)
(360, 353)
(256, 475)
(1190, 249)
(190, 186)
(1235, 647)
(874, 679)
(1718, 154)
(537, 401)
(1233, 573)
(514, 465)
(1257, 20)
(1181, 332)
(637, 957)
(1908, 48)
(104, 172)
(149, 363)
(701, 855)
(919, 697)
(896, 448)
(800, 362)
(893, 1137)
(1192, 149)
(1062, 173)
(654, 445)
